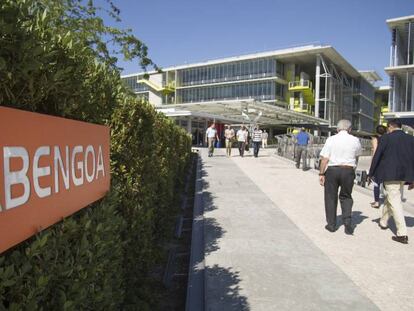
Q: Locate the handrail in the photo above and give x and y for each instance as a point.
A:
(301, 83)
(155, 86)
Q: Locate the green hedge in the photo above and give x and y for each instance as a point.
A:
(99, 258)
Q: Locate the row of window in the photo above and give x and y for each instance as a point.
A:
(365, 88)
(242, 70)
(268, 90)
(361, 104)
(143, 96)
(362, 123)
(132, 83)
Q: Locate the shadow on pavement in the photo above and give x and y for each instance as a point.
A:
(225, 287)
(357, 218)
(222, 284)
(409, 221)
(212, 232)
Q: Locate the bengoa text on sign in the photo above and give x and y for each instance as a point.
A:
(50, 168)
(78, 164)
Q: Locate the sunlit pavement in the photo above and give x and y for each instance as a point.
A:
(266, 247)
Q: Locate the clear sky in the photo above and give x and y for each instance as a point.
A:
(186, 31)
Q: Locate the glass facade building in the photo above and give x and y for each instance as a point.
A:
(286, 78)
(401, 68)
(132, 83)
(363, 106)
(233, 71)
(263, 90)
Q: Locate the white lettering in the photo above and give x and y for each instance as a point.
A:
(65, 172)
(77, 180)
(89, 149)
(100, 166)
(16, 177)
(82, 163)
(40, 172)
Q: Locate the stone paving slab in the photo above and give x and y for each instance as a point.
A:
(256, 258)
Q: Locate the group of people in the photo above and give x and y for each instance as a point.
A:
(242, 137)
(392, 165)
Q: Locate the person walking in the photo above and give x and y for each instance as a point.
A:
(257, 139)
(265, 136)
(211, 136)
(242, 139)
(302, 140)
(229, 135)
(337, 170)
(380, 130)
(393, 165)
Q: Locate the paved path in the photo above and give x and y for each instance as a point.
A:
(266, 247)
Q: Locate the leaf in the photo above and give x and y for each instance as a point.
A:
(43, 240)
(42, 281)
(8, 283)
(68, 305)
(44, 15)
(7, 274)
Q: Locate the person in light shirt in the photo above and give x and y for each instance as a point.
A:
(211, 136)
(265, 136)
(229, 135)
(337, 171)
(242, 135)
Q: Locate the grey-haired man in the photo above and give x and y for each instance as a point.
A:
(337, 170)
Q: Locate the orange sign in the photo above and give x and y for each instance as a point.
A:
(50, 168)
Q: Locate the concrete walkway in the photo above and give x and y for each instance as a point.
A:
(266, 247)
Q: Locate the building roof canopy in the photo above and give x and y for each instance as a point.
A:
(245, 111)
(303, 54)
(399, 21)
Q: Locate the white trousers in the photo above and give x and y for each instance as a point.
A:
(393, 207)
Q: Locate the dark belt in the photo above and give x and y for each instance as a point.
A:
(342, 166)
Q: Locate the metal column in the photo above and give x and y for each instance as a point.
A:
(409, 41)
(406, 92)
(317, 84)
(412, 92)
(189, 124)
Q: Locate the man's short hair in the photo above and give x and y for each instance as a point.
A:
(395, 123)
(344, 125)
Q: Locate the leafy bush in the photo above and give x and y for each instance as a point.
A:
(52, 61)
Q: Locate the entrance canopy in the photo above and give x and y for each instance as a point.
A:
(244, 111)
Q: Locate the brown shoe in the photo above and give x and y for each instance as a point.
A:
(375, 205)
(402, 239)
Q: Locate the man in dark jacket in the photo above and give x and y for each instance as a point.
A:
(393, 165)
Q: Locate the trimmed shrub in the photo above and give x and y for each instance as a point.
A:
(99, 258)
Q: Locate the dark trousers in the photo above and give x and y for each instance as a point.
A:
(256, 147)
(338, 177)
(376, 192)
(301, 152)
(242, 145)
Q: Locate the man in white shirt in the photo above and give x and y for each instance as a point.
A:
(337, 170)
(211, 136)
(242, 135)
